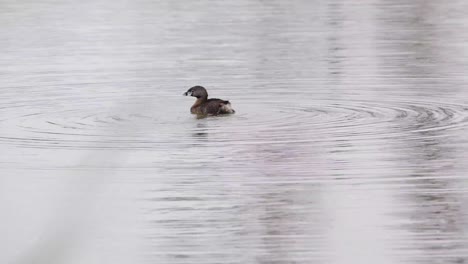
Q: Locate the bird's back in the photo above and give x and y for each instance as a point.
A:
(214, 106)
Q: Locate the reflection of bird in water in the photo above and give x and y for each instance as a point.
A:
(200, 131)
(204, 106)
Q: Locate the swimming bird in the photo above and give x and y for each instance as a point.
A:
(205, 106)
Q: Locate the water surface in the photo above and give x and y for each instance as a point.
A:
(349, 144)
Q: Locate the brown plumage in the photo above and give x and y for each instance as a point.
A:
(205, 106)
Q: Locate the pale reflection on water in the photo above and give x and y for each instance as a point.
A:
(349, 144)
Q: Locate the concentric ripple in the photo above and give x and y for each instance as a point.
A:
(355, 120)
(335, 119)
(405, 117)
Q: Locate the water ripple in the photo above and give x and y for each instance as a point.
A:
(333, 119)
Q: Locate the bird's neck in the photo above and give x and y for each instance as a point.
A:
(200, 101)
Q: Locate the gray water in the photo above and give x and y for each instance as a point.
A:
(349, 144)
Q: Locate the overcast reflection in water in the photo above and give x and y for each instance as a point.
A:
(349, 144)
